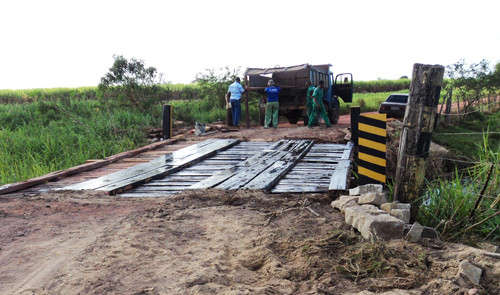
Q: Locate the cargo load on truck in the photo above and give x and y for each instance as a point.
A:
(292, 97)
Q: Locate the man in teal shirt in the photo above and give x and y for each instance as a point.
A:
(318, 106)
(309, 104)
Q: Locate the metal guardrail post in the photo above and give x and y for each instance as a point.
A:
(167, 121)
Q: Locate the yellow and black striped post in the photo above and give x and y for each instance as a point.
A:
(372, 148)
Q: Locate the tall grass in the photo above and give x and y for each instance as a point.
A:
(42, 137)
(32, 95)
(466, 207)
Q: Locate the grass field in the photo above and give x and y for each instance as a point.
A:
(40, 137)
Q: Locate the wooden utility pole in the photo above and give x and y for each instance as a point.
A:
(417, 133)
(448, 106)
(247, 111)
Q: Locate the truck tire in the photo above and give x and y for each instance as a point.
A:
(293, 117)
(306, 120)
(334, 113)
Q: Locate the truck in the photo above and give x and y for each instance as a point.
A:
(293, 97)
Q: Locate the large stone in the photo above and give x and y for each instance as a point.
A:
(427, 232)
(415, 232)
(469, 271)
(387, 207)
(403, 206)
(403, 214)
(373, 198)
(344, 201)
(367, 188)
(374, 223)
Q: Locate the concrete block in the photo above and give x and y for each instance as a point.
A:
(343, 200)
(373, 198)
(470, 271)
(428, 232)
(387, 207)
(403, 206)
(383, 227)
(415, 232)
(374, 223)
(367, 188)
(403, 214)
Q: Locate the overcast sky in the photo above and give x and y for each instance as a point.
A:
(67, 43)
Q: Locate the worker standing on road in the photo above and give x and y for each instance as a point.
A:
(309, 104)
(235, 90)
(318, 106)
(272, 105)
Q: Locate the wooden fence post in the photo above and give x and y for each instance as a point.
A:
(167, 121)
(247, 111)
(355, 111)
(447, 111)
(417, 134)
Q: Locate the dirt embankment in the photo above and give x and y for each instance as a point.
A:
(215, 242)
(212, 242)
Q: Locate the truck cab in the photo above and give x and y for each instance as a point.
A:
(293, 97)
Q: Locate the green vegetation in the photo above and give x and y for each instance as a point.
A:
(465, 138)
(44, 136)
(44, 130)
(465, 208)
(381, 85)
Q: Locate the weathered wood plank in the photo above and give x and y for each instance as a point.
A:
(222, 176)
(268, 178)
(155, 168)
(281, 149)
(175, 165)
(12, 187)
(339, 176)
(149, 194)
(341, 172)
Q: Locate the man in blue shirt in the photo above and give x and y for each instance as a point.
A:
(272, 105)
(235, 91)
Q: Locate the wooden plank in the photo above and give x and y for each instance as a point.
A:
(149, 194)
(12, 187)
(283, 149)
(176, 164)
(157, 167)
(222, 176)
(159, 188)
(339, 176)
(313, 189)
(270, 176)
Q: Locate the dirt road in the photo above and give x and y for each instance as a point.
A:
(215, 242)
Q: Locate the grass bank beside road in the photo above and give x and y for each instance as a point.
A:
(45, 136)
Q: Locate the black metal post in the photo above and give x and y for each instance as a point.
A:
(167, 122)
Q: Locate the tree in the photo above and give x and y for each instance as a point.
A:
(131, 83)
(470, 81)
(213, 84)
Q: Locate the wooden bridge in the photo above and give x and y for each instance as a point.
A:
(168, 167)
(292, 166)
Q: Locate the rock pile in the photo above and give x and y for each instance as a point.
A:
(367, 209)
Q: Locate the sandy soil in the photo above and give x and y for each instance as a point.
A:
(215, 242)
